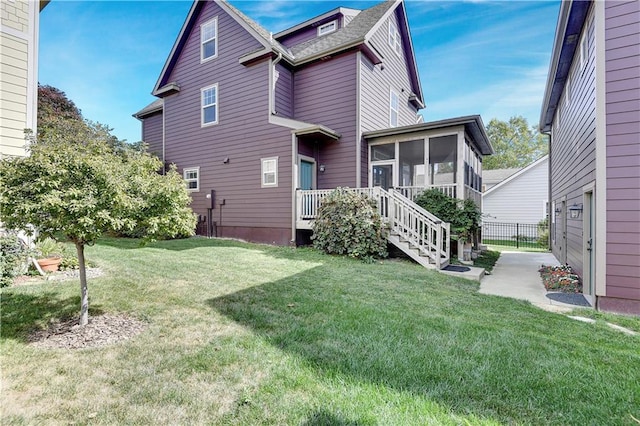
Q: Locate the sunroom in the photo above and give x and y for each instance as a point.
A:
(446, 155)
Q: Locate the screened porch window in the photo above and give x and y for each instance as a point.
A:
(443, 159)
(412, 163)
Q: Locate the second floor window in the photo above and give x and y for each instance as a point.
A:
(210, 105)
(209, 39)
(394, 38)
(394, 109)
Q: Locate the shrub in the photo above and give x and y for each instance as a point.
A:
(543, 233)
(464, 216)
(349, 223)
(13, 258)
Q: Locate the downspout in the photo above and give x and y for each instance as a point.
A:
(272, 107)
(549, 199)
(164, 159)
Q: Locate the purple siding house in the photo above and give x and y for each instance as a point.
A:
(591, 110)
(263, 125)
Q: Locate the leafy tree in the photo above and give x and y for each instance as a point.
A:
(516, 144)
(74, 184)
(54, 107)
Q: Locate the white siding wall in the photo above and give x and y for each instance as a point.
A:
(520, 200)
(18, 74)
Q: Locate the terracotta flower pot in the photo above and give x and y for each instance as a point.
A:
(49, 264)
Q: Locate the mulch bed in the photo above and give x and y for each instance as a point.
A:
(560, 278)
(102, 330)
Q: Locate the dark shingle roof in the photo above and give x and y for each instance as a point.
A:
(268, 37)
(352, 33)
(154, 106)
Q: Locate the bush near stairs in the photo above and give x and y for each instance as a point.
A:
(349, 224)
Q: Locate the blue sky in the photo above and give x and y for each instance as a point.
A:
(474, 57)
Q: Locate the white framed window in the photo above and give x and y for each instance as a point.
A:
(394, 108)
(327, 28)
(269, 172)
(584, 51)
(209, 40)
(209, 102)
(394, 38)
(191, 176)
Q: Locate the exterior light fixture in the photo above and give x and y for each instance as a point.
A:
(322, 168)
(575, 210)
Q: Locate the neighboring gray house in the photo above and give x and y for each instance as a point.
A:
(520, 198)
(591, 109)
(262, 125)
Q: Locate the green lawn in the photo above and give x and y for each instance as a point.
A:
(248, 334)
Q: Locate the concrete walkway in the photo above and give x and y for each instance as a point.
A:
(516, 275)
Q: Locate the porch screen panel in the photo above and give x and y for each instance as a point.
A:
(443, 160)
(412, 169)
(383, 152)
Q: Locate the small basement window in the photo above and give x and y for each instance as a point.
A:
(327, 28)
(191, 177)
(269, 172)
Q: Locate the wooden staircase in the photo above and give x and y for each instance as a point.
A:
(416, 232)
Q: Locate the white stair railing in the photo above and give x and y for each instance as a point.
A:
(411, 223)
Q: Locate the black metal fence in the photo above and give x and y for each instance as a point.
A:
(519, 235)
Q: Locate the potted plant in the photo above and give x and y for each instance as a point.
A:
(49, 254)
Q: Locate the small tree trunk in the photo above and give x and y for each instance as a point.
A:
(84, 290)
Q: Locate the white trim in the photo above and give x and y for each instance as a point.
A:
(214, 21)
(202, 106)
(264, 184)
(32, 67)
(15, 33)
(391, 110)
(188, 180)
(294, 180)
(600, 198)
(322, 28)
(359, 120)
(590, 188)
(164, 142)
(518, 173)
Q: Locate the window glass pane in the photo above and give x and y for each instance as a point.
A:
(192, 184)
(383, 152)
(209, 96)
(269, 178)
(209, 49)
(394, 118)
(412, 163)
(269, 166)
(442, 160)
(209, 30)
(210, 114)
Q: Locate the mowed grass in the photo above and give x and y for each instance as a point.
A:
(250, 334)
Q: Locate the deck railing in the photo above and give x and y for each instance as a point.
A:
(411, 191)
(410, 222)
